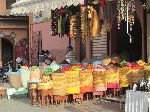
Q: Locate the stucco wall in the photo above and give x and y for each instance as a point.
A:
(55, 44)
(3, 7)
(20, 33)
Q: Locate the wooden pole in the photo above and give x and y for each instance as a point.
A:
(30, 35)
(88, 41)
(0, 52)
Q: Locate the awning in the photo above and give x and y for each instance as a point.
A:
(36, 6)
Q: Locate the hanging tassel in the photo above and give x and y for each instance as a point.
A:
(130, 40)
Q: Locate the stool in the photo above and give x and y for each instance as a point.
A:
(59, 99)
(33, 96)
(97, 93)
(116, 92)
(78, 96)
(88, 96)
(45, 96)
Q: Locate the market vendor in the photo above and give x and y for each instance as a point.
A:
(48, 57)
(70, 56)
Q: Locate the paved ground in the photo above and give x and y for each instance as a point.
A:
(21, 104)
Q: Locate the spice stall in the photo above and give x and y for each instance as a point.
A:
(56, 83)
(78, 81)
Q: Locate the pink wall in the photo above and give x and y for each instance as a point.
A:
(56, 44)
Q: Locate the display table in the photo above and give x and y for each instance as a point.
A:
(13, 91)
(137, 101)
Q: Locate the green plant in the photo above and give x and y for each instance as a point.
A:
(32, 68)
(49, 71)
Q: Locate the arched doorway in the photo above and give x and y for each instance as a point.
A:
(7, 51)
(22, 49)
(133, 49)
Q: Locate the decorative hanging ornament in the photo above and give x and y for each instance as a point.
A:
(122, 12)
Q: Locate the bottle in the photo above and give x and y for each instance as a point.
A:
(134, 87)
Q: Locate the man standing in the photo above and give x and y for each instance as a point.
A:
(71, 56)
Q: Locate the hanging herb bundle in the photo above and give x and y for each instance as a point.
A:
(49, 71)
(75, 25)
(54, 22)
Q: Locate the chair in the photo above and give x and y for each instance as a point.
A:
(33, 96)
(98, 93)
(45, 97)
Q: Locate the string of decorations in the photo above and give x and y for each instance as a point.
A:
(122, 12)
(83, 21)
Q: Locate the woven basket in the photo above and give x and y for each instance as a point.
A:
(112, 76)
(59, 81)
(99, 79)
(123, 77)
(45, 86)
(15, 80)
(86, 78)
(135, 75)
(35, 75)
(146, 74)
(61, 92)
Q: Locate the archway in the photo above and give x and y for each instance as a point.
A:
(134, 49)
(7, 51)
(22, 49)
